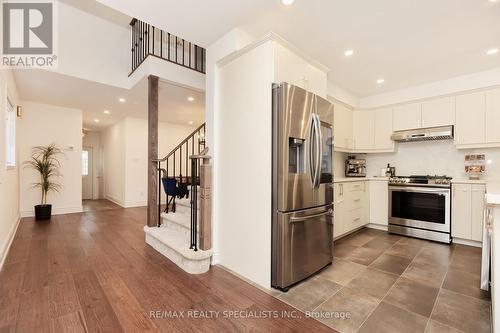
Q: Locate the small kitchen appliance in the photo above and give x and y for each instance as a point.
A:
(420, 206)
(355, 167)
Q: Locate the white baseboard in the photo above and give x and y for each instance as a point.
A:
(115, 200)
(131, 204)
(377, 226)
(55, 211)
(215, 259)
(6, 247)
(467, 242)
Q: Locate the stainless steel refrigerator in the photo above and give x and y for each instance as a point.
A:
(302, 200)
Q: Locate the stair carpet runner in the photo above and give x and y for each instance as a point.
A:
(172, 239)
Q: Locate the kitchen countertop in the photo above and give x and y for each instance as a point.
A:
(468, 181)
(359, 179)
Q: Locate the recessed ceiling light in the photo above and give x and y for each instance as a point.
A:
(349, 53)
(122, 100)
(190, 123)
(106, 111)
(380, 81)
(493, 0)
(287, 2)
(190, 98)
(492, 51)
(96, 120)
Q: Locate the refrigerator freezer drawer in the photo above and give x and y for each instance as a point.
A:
(302, 244)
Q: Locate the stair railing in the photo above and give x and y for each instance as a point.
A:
(178, 172)
(147, 40)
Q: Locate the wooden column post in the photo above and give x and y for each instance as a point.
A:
(152, 151)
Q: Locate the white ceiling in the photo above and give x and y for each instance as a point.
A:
(93, 98)
(406, 42)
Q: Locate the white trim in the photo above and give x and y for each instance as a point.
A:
(132, 204)
(467, 242)
(7, 245)
(272, 36)
(114, 200)
(215, 259)
(55, 211)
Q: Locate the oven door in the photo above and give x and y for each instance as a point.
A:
(420, 207)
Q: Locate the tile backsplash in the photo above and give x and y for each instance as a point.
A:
(432, 157)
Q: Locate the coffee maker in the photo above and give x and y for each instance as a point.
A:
(355, 167)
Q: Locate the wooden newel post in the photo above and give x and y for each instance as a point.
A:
(153, 82)
(205, 204)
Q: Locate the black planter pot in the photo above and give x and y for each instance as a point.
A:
(43, 213)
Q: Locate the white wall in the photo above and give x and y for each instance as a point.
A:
(43, 124)
(242, 132)
(9, 181)
(93, 140)
(113, 146)
(433, 157)
(125, 157)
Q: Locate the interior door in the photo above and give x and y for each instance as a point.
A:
(87, 173)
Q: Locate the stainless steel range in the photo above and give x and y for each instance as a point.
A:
(420, 206)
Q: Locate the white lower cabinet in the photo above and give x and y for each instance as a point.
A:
(468, 202)
(379, 202)
(351, 207)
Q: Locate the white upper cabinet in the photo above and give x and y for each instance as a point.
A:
(364, 130)
(408, 116)
(470, 119)
(342, 126)
(383, 129)
(493, 116)
(438, 112)
(295, 70)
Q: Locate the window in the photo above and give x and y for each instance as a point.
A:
(10, 132)
(85, 163)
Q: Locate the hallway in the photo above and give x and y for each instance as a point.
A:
(98, 205)
(93, 272)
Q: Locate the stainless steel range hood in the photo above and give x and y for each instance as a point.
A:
(424, 134)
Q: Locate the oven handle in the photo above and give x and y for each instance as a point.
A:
(419, 190)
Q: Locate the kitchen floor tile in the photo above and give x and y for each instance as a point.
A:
(436, 327)
(388, 318)
(413, 241)
(391, 264)
(467, 264)
(373, 282)
(342, 271)
(465, 313)
(356, 303)
(378, 244)
(390, 237)
(357, 239)
(430, 274)
(309, 294)
(404, 250)
(465, 283)
(373, 232)
(434, 256)
(363, 255)
(469, 251)
(413, 296)
(341, 250)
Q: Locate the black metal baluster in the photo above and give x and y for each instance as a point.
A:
(159, 194)
(168, 45)
(176, 49)
(154, 52)
(183, 53)
(161, 43)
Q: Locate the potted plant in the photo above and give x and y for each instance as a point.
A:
(44, 159)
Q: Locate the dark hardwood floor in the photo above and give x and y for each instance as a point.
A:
(93, 272)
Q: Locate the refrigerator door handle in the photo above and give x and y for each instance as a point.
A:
(312, 167)
(319, 151)
(303, 218)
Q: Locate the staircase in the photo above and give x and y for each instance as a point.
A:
(177, 237)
